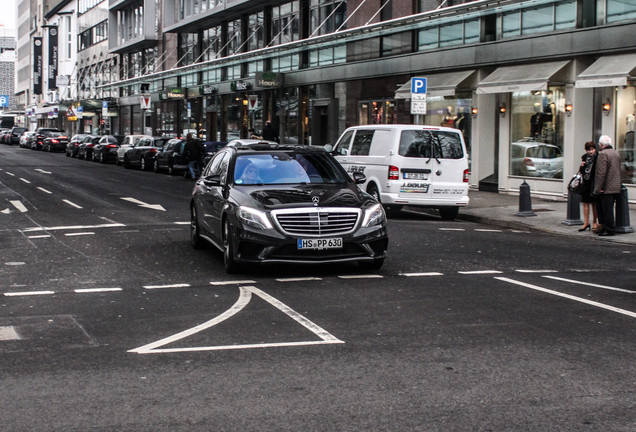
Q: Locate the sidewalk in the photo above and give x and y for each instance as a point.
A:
(500, 210)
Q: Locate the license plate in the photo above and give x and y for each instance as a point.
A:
(416, 176)
(326, 243)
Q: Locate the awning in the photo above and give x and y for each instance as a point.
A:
(437, 84)
(608, 71)
(528, 77)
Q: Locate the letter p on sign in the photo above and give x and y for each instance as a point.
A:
(418, 85)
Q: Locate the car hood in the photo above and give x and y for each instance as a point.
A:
(311, 195)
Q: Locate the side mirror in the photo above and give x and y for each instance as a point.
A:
(328, 148)
(359, 178)
(213, 180)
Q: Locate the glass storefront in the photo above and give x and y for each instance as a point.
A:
(536, 133)
(451, 111)
(377, 112)
(626, 131)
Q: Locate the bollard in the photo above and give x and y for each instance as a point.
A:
(574, 209)
(622, 213)
(525, 202)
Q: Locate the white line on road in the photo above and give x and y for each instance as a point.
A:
(143, 204)
(18, 205)
(72, 204)
(11, 174)
(487, 230)
(233, 282)
(421, 274)
(480, 272)
(571, 297)
(373, 276)
(44, 190)
(166, 286)
(39, 236)
(79, 234)
(42, 171)
(452, 229)
(182, 223)
(590, 284)
(298, 279)
(28, 293)
(25, 180)
(96, 290)
(72, 227)
(537, 271)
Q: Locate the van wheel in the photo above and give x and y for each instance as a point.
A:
(373, 191)
(449, 213)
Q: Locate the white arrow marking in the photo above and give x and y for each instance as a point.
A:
(143, 204)
(19, 206)
(42, 171)
(6, 211)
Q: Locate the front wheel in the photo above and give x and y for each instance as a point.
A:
(449, 213)
(126, 162)
(230, 264)
(155, 166)
(373, 191)
(195, 232)
(371, 265)
(102, 159)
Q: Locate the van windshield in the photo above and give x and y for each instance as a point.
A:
(431, 144)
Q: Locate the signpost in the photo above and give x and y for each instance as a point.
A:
(418, 98)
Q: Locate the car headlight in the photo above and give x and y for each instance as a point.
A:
(254, 218)
(374, 215)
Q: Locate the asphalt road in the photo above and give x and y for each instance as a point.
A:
(110, 321)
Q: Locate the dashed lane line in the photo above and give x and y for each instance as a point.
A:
(535, 271)
(39, 236)
(371, 276)
(217, 283)
(570, 297)
(184, 285)
(19, 206)
(303, 279)
(71, 203)
(421, 274)
(44, 190)
(97, 290)
(72, 227)
(477, 272)
(590, 284)
(452, 229)
(28, 293)
(79, 234)
(25, 180)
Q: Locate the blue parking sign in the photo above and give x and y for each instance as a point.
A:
(4, 101)
(418, 85)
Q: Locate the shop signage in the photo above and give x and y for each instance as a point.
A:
(239, 86)
(207, 90)
(173, 93)
(37, 65)
(52, 57)
(269, 80)
(602, 82)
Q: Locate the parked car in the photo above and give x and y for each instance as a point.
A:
(73, 145)
(106, 148)
(85, 149)
(211, 147)
(24, 139)
(128, 142)
(5, 135)
(170, 157)
(142, 154)
(39, 136)
(285, 204)
(536, 159)
(55, 141)
(411, 165)
(15, 133)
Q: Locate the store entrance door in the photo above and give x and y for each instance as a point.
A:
(323, 122)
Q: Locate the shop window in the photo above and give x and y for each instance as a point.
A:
(285, 19)
(537, 133)
(537, 20)
(511, 25)
(626, 132)
(565, 15)
(399, 43)
(618, 10)
(451, 111)
(327, 16)
(428, 38)
(471, 31)
(451, 34)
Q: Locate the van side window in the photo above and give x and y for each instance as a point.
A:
(342, 146)
(362, 142)
(431, 144)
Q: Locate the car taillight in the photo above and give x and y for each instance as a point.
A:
(54, 141)
(152, 150)
(109, 146)
(90, 145)
(77, 144)
(63, 137)
(528, 162)
(394, 173)
(466, 172)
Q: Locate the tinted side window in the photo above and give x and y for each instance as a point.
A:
(342, 146)
(213, 166)
(431, 144)
(362, 142)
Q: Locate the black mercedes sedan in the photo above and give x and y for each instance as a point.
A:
(264, 203)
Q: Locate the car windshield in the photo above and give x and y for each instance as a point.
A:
(431, 144)
(287, 168)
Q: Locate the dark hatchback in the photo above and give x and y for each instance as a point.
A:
(106, 149)
(55, 141)
(170, 158)
(285, 204)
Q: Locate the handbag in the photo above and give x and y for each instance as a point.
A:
(576, 184)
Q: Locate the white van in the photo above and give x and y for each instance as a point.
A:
(411, 165)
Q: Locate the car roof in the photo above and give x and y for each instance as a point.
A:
(528, 144)
(267, 147)
(403, 127)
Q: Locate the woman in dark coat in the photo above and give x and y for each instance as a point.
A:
(587, 169)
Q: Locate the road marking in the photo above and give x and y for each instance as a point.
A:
(537, 271)
(72, 204)
(72, 227)
(25, 180)
(571, 297)
(96, 290)
(8, 333)
(452, 229)
(166, 286)
(39, 236)
(6, 211)
(11, 174)
(590, 284)
(15, 263)
(143, 204)
(18, 205)
(298, 279)
(44, 190)
(361, 277)
(480, 272)
(244, 298)
(487, 230)
(42, 171)
(182, 223)
(79, 234)
(421, 274)
(28, 293)
(233, 282)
